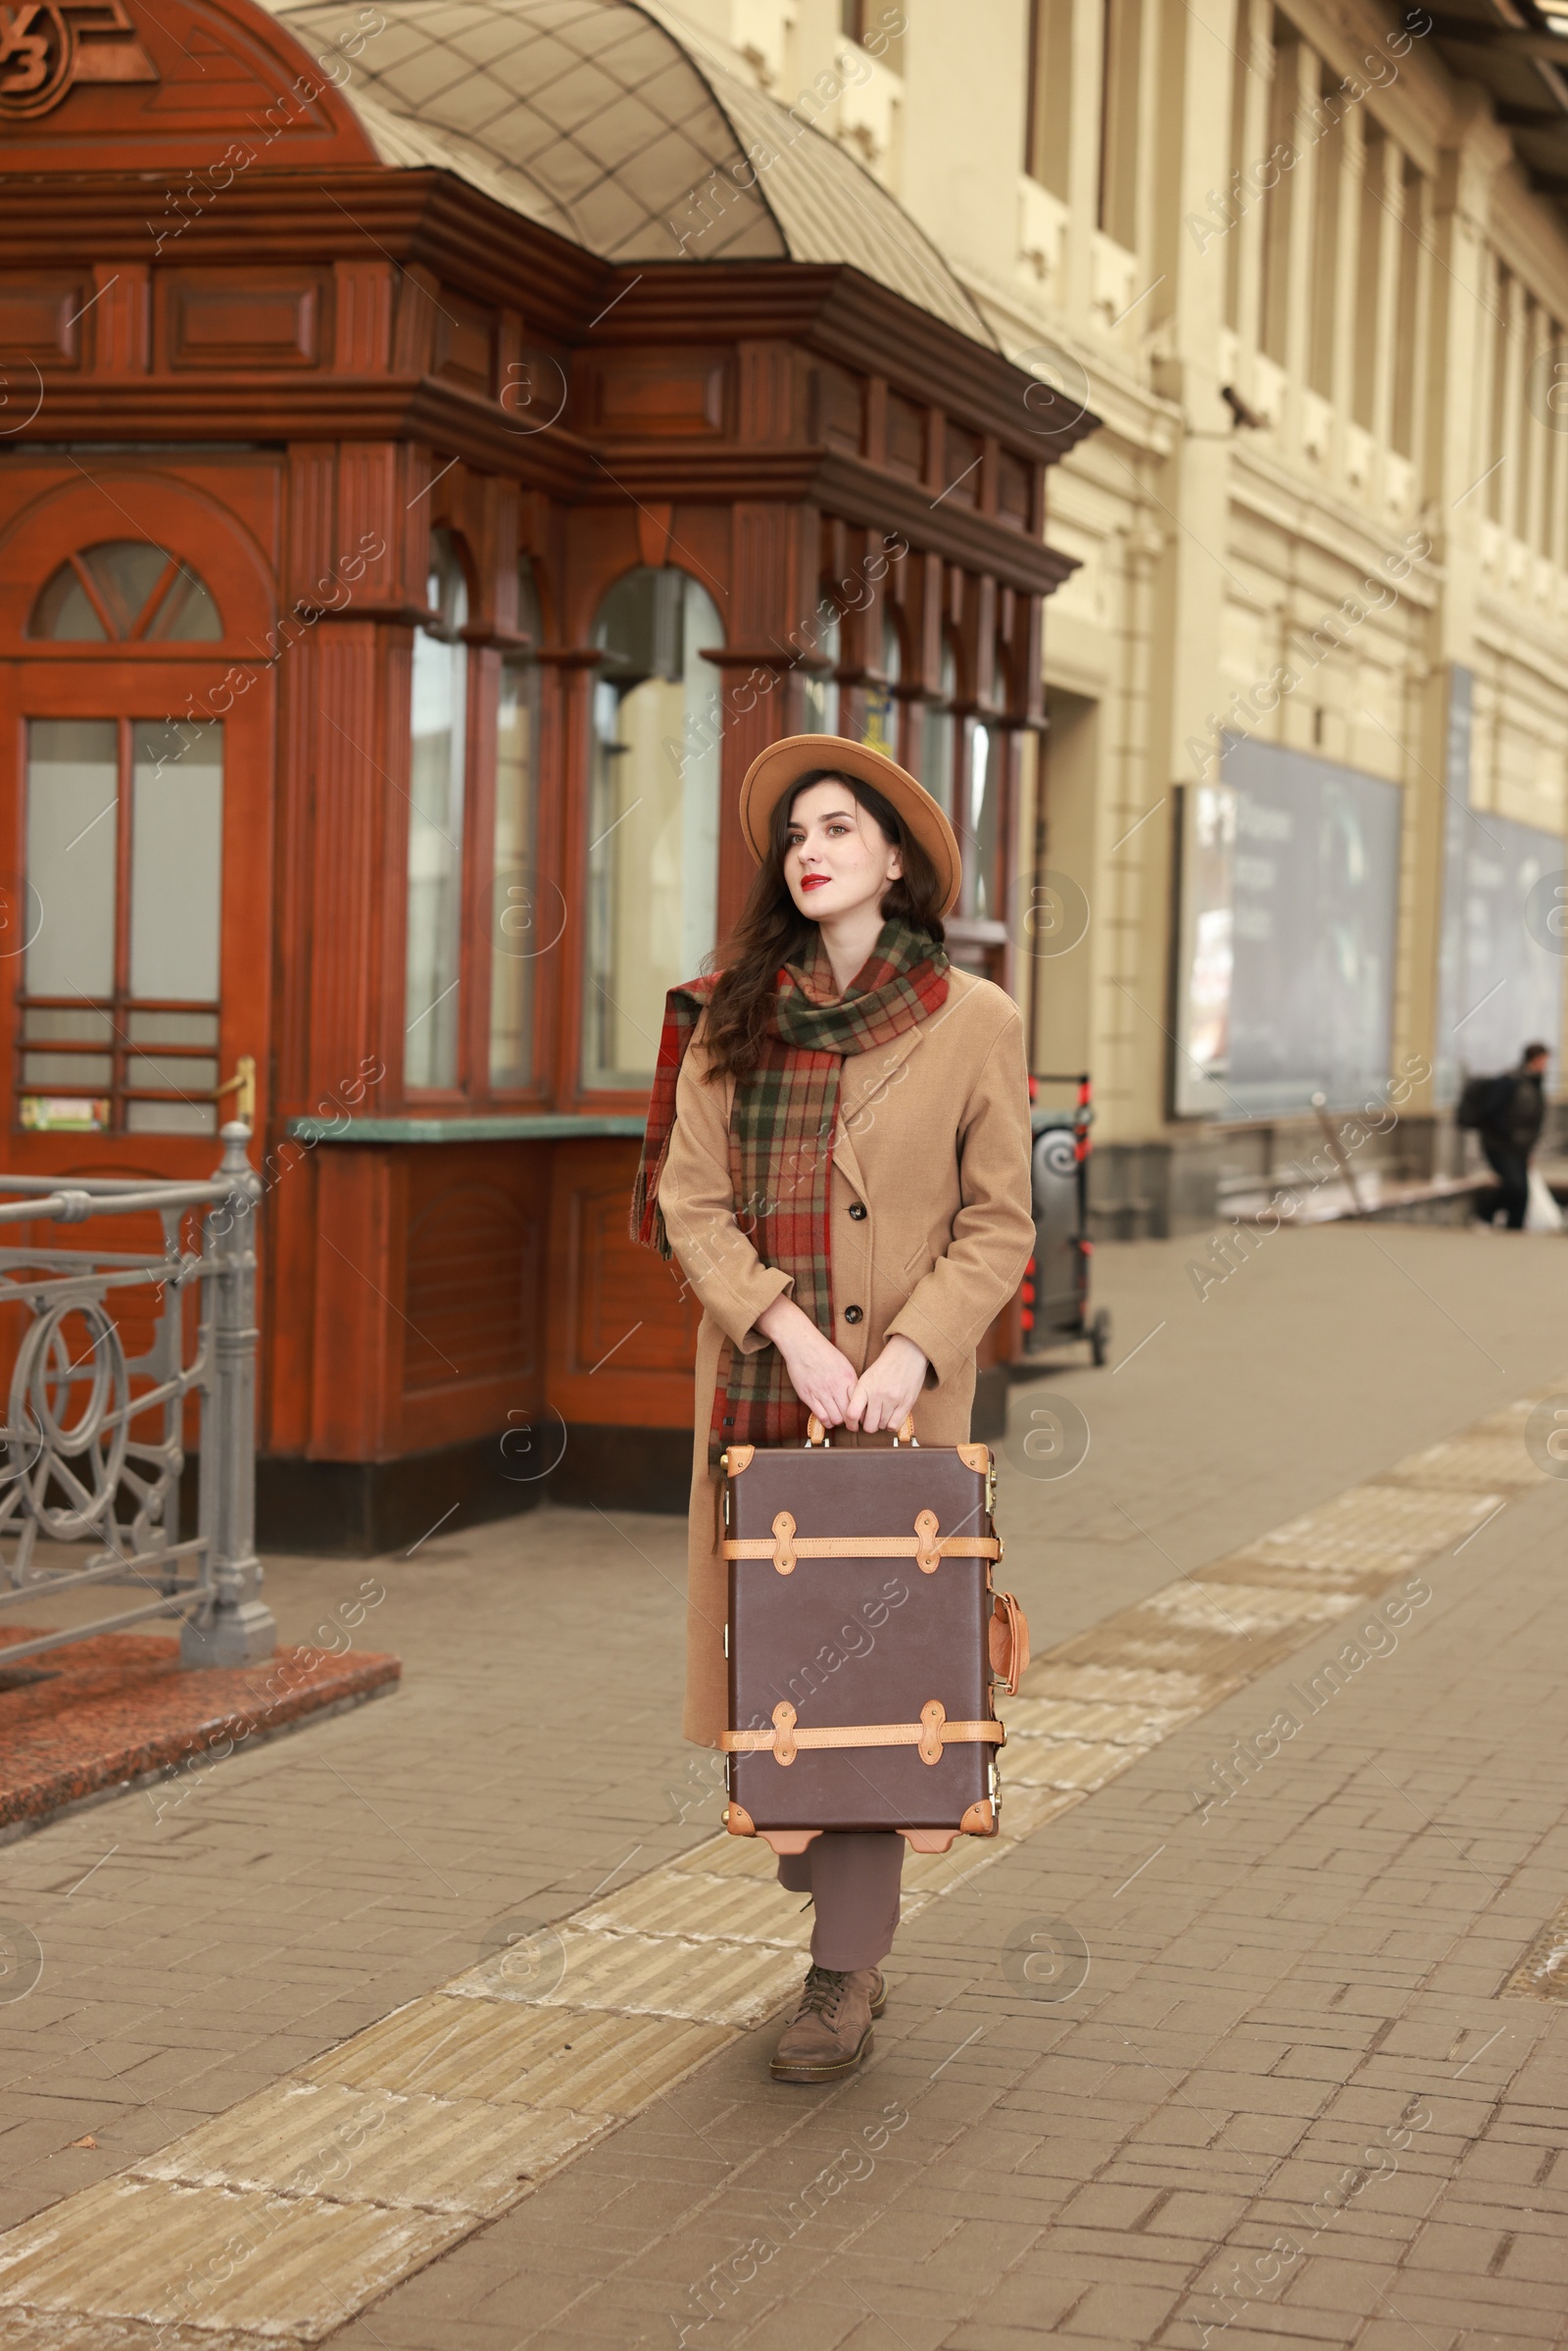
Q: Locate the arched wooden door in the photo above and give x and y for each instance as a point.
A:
(137, 725)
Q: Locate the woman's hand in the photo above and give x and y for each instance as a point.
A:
(885, 1392)
(820, 1375)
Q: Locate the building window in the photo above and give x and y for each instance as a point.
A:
(653, 816)
(881, 732)
(980, 827)
(119, 1006)
(819, 688)
(1118, 122)
(1047, 123)
(437, 768)
(876, 29)
(940, 733)
(125, 592)
(521, 929)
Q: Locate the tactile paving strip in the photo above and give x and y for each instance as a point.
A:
(273, 2223)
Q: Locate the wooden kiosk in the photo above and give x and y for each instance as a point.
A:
(411, 524)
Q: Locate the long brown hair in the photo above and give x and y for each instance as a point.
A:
(772, 930)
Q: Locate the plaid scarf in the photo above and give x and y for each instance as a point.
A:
(781, 1134)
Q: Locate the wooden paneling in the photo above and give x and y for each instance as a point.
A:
(174, 93)
(905, 437)
(622, 1337)
(962, 453)
(765, 408)
(255, 319)
(472, 1343)
(357, 1365)
(465, 341)
(39, 313)
(1014, 483)
(362, 328)
(344, 876)
(840, 404)
(121, 319)
(675, 393)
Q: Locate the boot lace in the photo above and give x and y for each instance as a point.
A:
(824, 1990)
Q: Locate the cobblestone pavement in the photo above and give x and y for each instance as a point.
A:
(1225, 2047)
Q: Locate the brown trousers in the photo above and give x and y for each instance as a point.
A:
(853, 1879)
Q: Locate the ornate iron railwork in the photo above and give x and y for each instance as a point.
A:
(92, 1445)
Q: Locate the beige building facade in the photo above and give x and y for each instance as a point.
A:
(1297, 820)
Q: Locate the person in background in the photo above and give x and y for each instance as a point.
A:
(1516, 1112)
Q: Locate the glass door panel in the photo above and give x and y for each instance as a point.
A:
(120, 1011)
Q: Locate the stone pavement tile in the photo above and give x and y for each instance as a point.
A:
(410, 2334)
(1096, 2254)
(1490, 2304)
(1122, 2314)
(1507, 2163)
(1194, 2213)
(1097, 2206)
(1537, 2256)
(1257, 2093)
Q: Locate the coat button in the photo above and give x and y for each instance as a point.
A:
(858, 1210)
(854, 1314)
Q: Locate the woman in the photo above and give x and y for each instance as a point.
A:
(838, 1154)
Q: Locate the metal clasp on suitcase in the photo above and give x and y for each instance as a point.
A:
(815, 1433)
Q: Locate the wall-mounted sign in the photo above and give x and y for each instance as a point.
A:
(1285, 965)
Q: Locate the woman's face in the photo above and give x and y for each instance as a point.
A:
(837, 859)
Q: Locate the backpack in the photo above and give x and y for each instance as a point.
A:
(1485, 1102)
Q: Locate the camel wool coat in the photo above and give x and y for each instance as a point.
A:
(931, 1229)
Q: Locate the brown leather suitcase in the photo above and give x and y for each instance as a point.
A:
(862, 1637)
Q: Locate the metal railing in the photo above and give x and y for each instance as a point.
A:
(92, 1445)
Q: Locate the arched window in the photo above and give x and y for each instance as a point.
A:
(521, 929)
(653, 816)
(125, 592)
(437, 771)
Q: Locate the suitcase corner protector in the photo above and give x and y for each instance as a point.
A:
(737, 1821)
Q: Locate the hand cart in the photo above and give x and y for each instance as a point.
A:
(1056, 1288)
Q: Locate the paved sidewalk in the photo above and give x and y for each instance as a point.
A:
(1298, 1946)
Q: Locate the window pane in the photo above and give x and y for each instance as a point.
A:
(175, 1075)
(819, 689)
(125, 572)
(57, 1024)
(519, 932)
(188, 616)
(653, 863)
(171, 1028)
(63, 611)
(73, 792)
(439, 697)
(979, 832)
(67, 1070)
(177, 861)
(936, 755)
(171, 1118)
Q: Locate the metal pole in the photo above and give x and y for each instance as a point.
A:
(241, 1627)
(1331, 1136)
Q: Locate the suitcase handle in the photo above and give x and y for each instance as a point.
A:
(815, 1433)
(1009, 1640)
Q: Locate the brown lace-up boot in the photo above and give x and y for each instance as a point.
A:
(831, 2030)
